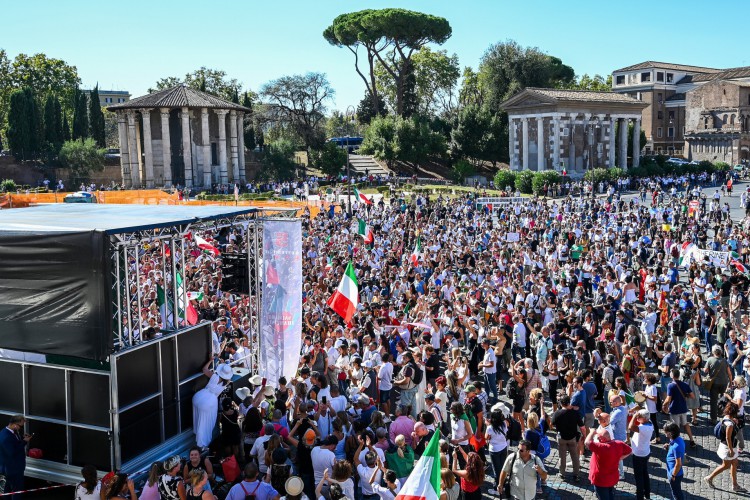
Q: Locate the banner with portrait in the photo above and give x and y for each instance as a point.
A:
(281, 305)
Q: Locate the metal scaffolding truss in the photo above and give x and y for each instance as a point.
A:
(127, 276)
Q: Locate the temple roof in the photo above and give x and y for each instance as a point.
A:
(179, 96)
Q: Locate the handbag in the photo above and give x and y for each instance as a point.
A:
(506, 485)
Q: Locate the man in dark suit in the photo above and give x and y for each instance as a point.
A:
(13, 453)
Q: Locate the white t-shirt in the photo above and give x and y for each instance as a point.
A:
(641, 440)
(497, 441)
(385, 493)
(385, 374)
(489, 357)
(741, 394)
(651, 391)
(365, 473)
(338, 403)
(322, 459)
(81, 493)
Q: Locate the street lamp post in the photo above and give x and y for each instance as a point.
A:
(349, 117)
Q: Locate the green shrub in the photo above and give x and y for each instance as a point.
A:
(461, 170)
(615, 173)
(383, 189)
(8, 185)
(505, 178)
(524, 181)
(549, 177)
(597, 175)
(721, 166)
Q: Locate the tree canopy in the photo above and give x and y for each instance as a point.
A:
(300, 103)
(507, 67)
(213, 81)
(389, 37)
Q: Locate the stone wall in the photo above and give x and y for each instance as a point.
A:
(21, 172)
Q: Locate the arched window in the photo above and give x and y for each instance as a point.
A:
(731, 119)
(724, 120)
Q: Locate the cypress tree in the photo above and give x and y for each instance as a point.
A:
(80, 116)
(202, 86)
(36, 131)
(248, 130)
(50, 122)
(19, 135)
(96, 118)
(235, 97)
(65, 129)
(59, 132)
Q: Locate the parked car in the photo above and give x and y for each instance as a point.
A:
(80, 197)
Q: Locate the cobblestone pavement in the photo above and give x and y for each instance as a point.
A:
(699, 463)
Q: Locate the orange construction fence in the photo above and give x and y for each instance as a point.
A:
(147, 197)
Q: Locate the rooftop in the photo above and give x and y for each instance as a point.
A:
(663, 65)
(179, 96)
(727, 74)
(582, 95)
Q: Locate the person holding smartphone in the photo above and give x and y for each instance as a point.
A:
(13, 453)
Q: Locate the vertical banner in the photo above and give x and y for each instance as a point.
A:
(281, 306)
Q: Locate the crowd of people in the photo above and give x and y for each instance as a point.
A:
(604, 326)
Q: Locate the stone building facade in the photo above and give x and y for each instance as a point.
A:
(718, 122)
(571, 130)
(180, 136)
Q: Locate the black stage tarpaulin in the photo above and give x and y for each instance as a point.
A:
(55, 282)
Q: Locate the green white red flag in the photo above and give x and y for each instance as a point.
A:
(346, 297)
(416, 255)
(424, 481)
(361, 197)
(205, 245)
(365, 231)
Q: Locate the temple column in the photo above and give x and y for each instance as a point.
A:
(637, 142)
(148, 164)
(241, 147)
(122, 131)
(512, 149)
(540, 149)
(206, 146)
(135, 174)
(611, 142)
(187, 154)
(233, 144)
(572, 166)
(222, 114)
(556, 146)
(525, 132)
(623, 159)
(166, 147)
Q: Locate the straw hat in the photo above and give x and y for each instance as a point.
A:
(294, 486)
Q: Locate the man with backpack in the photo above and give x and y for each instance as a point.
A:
(408, 381)
(522, 469)
(675, 403)
(252, 488)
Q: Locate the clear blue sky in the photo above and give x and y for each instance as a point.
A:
(130, 44)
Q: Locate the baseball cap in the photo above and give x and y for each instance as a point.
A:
(470, 388)
(309, 437)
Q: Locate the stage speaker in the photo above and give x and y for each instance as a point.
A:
(235, 272)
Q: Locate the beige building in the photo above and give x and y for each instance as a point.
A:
(662, 86)
(110, 97)
(572, 130)
(180, 136)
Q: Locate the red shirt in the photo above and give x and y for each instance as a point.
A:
(605, 458)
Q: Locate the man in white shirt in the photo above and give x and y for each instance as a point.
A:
(368, 468)
(322, 457)
(489, 365)
(385, 383)
(259, 452)
(519, 338)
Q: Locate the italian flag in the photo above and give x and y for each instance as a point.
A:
(417, 253)
(738, 265)
(361, 197)
(195, 296)
(424, 481)
(166, 306)
(206, 246)
(346, 297)
(688, 253)
(366, 232)
(329, 265)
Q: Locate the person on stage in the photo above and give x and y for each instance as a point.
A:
(206, 402)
